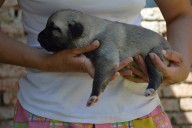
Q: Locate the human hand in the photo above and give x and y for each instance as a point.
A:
(72, 60)
(178, 70)
(170, 73)
(137, 71)
(123, 64)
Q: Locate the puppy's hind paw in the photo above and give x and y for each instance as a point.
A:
(92, 100)
(149, 92)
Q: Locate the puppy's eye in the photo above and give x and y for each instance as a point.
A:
(75, 29)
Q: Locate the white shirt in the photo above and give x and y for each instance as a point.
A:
(63, 96)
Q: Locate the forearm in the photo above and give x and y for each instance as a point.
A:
(17, 53)
(178, 16)
(70, 60)
(179, 34)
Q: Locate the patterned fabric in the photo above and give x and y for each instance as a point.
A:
(24, 119)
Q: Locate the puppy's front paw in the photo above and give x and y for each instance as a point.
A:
(149, 92)
(92, 100)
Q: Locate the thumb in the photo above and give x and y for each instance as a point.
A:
(172, 56)
(87, 48)
(87, 66)
(158, 63)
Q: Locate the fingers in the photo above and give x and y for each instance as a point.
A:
(140, 62)
(135, 75)
(126, 72)
(88, 48)
(137, 71)
(134, 79)
(170, 73)
(115, 76)
(172, 56)
(87, 66)
(139, 74)
(124, 63)
(78, 61)
(159, 64)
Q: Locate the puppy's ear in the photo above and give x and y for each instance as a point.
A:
(75, 30)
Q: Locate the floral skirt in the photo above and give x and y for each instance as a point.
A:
(24, 119)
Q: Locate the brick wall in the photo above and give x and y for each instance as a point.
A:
(176, 99)
(10, 23)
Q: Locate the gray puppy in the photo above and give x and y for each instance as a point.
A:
(73, 29)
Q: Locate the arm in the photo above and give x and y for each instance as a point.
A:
(178, 17)
(71, 60)
(17, 53)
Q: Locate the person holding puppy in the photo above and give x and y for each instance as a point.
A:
(54, 91)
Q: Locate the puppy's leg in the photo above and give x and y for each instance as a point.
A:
(155, 77)
(104, 70)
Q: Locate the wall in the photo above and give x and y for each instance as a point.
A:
(10, 23)
(176, 99)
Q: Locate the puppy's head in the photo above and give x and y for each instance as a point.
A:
(63, 30)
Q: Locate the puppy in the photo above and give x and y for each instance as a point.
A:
(73, 29)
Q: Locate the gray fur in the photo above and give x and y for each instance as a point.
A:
(74, 29)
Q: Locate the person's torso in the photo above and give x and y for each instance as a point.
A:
(63, 96)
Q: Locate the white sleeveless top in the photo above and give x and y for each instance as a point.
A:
(63, 96)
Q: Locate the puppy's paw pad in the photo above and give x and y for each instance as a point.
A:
(92, 100)
(149, 92)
